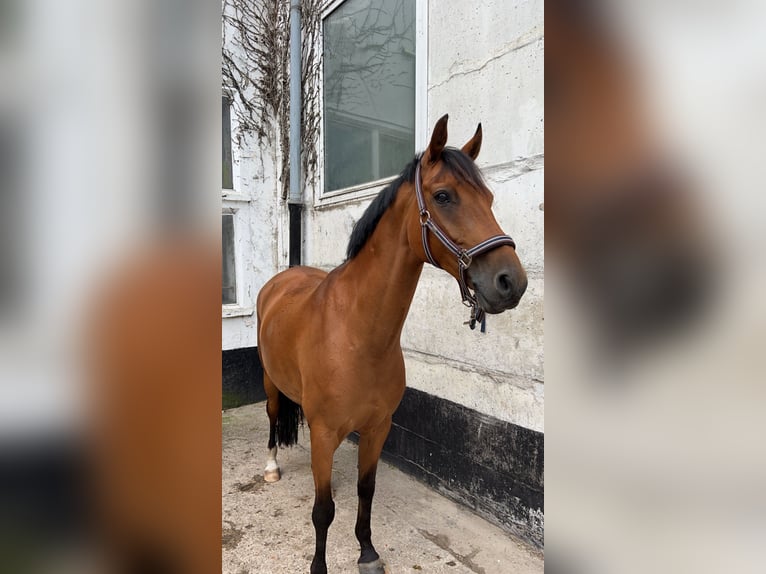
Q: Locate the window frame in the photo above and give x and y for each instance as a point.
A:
(371, 188)
(236, 204)
(235, 192)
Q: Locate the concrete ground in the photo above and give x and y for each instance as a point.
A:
(267, 527)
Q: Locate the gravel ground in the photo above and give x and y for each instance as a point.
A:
(267, 527)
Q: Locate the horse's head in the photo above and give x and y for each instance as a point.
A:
(458, 203)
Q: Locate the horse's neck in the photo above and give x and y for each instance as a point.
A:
(381, 280)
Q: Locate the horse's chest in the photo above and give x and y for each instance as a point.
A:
(366, 381)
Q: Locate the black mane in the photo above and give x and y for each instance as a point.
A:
(366, 224)
(454, 160)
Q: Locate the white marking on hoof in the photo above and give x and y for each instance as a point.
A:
(376, 567)
(272, 475)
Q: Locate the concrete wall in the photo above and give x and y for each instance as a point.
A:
(485, 64)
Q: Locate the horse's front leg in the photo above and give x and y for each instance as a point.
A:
(323, 446)
(370, 445)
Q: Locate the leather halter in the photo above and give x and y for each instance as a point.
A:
(464, 256)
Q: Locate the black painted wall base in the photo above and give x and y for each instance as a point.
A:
(491, 466)
(242, 377)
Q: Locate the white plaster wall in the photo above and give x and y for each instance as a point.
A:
(485, 65)
(257, 226)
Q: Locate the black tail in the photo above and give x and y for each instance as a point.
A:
(290, 415)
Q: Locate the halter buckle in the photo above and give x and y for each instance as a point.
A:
(464, 259)
(425, 216)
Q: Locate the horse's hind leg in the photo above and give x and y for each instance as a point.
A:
(323, 445)
(271, 472)
(370, 445)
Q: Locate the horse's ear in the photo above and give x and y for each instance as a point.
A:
(471, 149)
(438, 141)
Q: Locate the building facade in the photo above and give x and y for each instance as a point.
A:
(471, 422)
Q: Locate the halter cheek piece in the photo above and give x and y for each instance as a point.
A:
(464, 256)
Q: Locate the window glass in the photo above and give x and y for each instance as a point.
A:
(369, 91)
(229, 293)
(228, 178)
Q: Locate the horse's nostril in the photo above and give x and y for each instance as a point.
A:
(503, 283)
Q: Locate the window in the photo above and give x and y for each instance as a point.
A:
(368, 91)
(228, 174)
(229, 291)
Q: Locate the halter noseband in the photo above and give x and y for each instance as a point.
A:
(464, 256)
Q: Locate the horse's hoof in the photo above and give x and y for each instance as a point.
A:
(375, 567)
(272, 475)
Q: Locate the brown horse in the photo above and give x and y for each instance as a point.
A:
(330, 342)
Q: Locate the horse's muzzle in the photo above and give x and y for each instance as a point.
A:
(498, 290)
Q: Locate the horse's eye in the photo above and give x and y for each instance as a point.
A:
(442, 197)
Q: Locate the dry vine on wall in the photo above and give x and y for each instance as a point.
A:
(255, 68)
